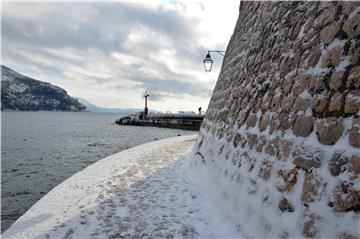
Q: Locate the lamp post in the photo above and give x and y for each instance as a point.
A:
(208, 61)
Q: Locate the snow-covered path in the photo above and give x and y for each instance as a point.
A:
(141, 192)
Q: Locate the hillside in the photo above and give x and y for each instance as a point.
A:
(19, 92)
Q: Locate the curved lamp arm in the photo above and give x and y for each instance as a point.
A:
(220, 52)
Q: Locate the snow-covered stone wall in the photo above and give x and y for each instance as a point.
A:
(279, 148)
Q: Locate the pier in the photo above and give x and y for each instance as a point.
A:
(174, 121)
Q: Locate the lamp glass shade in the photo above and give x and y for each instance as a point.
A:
(208, 62)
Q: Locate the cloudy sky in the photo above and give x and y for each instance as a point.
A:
(109, 53)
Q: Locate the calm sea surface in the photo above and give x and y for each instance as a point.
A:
(39, 150)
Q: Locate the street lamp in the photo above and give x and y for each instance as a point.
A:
(208, 61)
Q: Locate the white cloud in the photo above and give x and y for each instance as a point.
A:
(110, 53)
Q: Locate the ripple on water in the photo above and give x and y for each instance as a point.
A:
(42, 149)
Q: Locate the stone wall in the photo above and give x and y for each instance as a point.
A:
(282, 131)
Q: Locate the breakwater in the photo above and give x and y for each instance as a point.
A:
(173, 121)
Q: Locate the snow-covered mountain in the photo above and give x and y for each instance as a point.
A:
(19, 92)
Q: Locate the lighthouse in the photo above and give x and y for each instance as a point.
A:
(146, 110)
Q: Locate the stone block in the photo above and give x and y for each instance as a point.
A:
(303, 125)
(257, 105)
(301, 104)
(266, 101)
(237, 139)
(337, 163)
(287, 102)
(320, 103)
(329, 130)
(260, 144)
(286, 86)
(297, 56)
(329, 32)
(252, 140)
(352, 102)
(251, 121)
(243, 92)
(285, 149)
(354, 134)
(317, 85)
(230, 137)
(220, 133)
(275, 103)
(332, 57)
(336, 80)
(312, 56)
(309, 228)
(244, 102)
(275, 52)
(285, 66)
(251, 164)
(348, 7)
(336, 102)
(310, 188)
(326, 14)
(274, 124)
(353, 79)
(242, 118)
(345, 198)
(289, 180)
(307, 157)
(351, 26)
(272, 147)
(265, 67)
(301, 83)
(311, 41)
(355, 164)
(309, 23)
(266, 55)
(264, 122)
(285, 206)
(354, 52)
(286, 121)
(265, 169)
(258, 59)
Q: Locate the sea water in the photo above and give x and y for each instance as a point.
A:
(39, 150)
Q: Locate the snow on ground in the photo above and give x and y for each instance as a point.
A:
(144, 191)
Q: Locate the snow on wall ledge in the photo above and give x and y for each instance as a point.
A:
(279, 148)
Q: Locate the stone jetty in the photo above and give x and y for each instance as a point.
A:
(174, 121)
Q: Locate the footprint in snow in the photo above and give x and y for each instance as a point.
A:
(68, 233)
(91, 213)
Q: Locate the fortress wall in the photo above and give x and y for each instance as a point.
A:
(279, 148)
